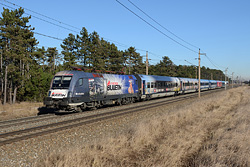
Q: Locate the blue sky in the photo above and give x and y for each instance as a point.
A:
(220, 28)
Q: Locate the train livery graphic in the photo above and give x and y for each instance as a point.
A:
(78, 90)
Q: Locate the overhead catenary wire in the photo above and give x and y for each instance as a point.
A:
(59, 39)
(156, 28)
(42, 15)
(61, 26)
(56, 38)
(40, 18)
(49, 36)
(162, 26)
(35, 31)
(214, 64)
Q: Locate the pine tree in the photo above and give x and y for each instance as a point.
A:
(115, 58)
(69, 51)
(52, 56)
(82, 45)
(95, 48)
(134, 61)
(17, 45)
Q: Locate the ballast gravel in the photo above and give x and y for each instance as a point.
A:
(27, 152)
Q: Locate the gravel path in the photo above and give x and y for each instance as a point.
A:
(26, 153)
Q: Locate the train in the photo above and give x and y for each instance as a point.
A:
(78, 90)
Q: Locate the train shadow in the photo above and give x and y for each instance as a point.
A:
(44, 110)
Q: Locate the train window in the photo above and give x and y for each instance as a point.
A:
(148, 84)
(61, 82)
(170, 85)
(167, 84)
(66, 81)
(160, 84)
(57, 80)
(152, 84)
(80, 82)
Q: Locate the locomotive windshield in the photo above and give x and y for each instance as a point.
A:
(61, 82)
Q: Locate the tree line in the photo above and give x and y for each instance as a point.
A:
(26, 70)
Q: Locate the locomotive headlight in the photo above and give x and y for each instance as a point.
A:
(49, 93)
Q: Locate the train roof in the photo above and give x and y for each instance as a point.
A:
(83, 74)
(204, 80)
(157, 78)
(189, 79)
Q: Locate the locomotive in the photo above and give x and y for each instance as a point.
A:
(79, 90)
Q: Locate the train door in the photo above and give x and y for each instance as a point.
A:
(143, 87)
(81, 90)
(148, 88)
(182, 86)
(104, 87)
(92, 87)
(99, 86)
(79, 87)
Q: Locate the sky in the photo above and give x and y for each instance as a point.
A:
(220, 28)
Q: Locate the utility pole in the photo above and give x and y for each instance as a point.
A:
(195, 72)
(147, 63)
(226, 79)
(232, 79)
(199, 93)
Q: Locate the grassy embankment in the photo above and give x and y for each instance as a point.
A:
(212, 131)
(18, 110)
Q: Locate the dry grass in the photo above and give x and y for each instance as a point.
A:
(18, 110)
(209, 132)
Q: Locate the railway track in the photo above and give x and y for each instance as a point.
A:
(21, 121)
(14, 136)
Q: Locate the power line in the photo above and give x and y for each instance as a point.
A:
(40, 18)
(117, 43)
(155, 27)
(164, 28)
(214, 64)
(162, 25)
(36, 32)
(190, 63)
(48, 36)
(59, 39)
(42, 15)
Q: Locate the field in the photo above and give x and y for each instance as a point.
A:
(18, 110)
(212, 131)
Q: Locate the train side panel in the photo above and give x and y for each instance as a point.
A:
(188, 85)
(157, 86)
